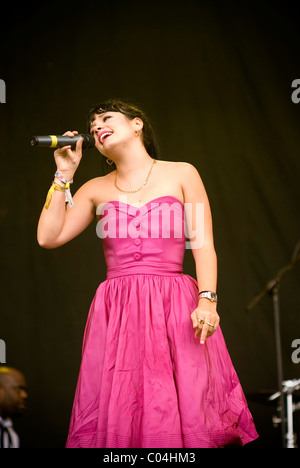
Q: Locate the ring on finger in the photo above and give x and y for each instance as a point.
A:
(201, 321)
(209, 324)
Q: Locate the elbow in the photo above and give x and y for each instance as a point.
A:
(45, 243)
(44, 239)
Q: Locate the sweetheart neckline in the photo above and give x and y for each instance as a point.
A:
(145, 204)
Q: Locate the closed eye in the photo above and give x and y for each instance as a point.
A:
(104, 118)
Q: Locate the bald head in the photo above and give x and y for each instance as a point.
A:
(13, 394)
(5, 371)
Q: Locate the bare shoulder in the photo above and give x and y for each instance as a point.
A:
(176, 165)
(96, 182)
(181, 169)
(189, 179)
(93, 188)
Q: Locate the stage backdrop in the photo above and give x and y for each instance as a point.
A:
(216, 79)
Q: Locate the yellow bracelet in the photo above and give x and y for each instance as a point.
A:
(54, 187)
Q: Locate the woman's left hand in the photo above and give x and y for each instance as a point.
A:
(205, 321)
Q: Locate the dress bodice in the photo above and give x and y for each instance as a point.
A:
(148, 238)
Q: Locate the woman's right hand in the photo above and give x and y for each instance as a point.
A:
(67, 159)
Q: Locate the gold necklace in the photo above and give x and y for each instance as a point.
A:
(140, 188)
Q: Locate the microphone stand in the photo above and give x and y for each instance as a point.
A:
(272, 288)
(288, 387)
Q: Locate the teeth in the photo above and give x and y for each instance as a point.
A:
(104, 135)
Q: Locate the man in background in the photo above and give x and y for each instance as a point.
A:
(13, 396)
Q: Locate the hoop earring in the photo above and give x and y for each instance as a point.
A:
(109, 161)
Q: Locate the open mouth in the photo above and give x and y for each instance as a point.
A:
(103, 136)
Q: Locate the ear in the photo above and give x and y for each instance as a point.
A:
(138, 123)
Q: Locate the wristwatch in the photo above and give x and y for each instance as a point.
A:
(211, 296)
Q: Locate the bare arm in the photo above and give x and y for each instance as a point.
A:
(59, 224)
(204, 253)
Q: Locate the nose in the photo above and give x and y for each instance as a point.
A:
(98, 129)
(24, 394)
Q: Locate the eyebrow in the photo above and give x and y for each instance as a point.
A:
(98, 115)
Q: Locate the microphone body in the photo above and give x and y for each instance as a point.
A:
(58, 141)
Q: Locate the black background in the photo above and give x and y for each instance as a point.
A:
(215, 78)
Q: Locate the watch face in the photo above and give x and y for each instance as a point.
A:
(209, 295)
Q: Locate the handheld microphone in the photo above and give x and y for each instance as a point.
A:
(58, 141)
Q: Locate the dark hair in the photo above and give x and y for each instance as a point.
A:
(131, 112)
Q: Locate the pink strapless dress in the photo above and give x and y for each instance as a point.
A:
(145, 380)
